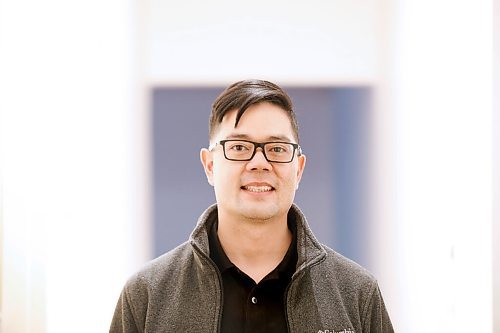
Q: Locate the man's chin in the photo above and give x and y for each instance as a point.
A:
(260, 213)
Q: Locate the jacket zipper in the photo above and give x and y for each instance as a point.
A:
(295, 277)
(219, 280)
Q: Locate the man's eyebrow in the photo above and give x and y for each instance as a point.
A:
(238, 136)
(269, 138)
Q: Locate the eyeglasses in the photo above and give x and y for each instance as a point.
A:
(244, 150)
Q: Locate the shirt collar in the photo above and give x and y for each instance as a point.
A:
(216, 251)
(286, 267)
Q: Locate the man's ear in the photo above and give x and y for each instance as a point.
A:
(301, 165)
(208, 164)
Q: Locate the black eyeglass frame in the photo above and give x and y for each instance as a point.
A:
(256, 145)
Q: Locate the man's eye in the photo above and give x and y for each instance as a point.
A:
(278, 149)
(239, 148)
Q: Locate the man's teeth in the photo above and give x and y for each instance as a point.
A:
(258, 188)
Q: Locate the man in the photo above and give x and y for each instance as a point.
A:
(252, 264)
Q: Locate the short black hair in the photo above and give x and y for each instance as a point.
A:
(241, 95)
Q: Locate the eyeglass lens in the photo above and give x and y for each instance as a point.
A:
(274, 151)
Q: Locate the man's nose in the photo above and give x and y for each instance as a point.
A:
(259, 161)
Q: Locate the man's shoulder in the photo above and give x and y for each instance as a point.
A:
(164, 267)
(343, 269)
(338, 278)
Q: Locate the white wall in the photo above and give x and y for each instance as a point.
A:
(435, 245)
(209, 42)
(72, 188)
(496, 167)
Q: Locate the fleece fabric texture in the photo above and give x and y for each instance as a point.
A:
(181, 291)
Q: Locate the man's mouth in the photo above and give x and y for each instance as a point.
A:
(257, 189)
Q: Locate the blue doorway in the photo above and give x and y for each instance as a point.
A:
(335, 135)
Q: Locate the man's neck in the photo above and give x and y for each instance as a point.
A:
(255, 247)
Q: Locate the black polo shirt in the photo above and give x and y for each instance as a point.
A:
(250, 307)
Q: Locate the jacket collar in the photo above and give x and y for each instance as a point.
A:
(309, 250)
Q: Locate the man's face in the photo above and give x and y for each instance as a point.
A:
(255, 189)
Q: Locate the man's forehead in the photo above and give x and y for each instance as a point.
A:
(258, 134)
(249, 136)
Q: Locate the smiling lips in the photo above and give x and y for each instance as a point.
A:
(258, 188)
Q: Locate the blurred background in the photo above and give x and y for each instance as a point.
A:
(104, 107)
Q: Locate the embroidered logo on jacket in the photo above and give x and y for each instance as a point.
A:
(345, 330)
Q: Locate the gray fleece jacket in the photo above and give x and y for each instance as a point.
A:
(181, 291)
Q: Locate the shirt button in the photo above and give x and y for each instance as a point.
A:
(254, 300)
